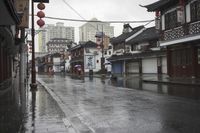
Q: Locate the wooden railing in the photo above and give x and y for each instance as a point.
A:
(181, 31)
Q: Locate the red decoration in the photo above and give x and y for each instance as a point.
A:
(41, 6)
(157, 13)
(41, 14)
(181, 2)
(41, 22)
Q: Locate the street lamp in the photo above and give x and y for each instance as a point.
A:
(100, 45)
(33, 84)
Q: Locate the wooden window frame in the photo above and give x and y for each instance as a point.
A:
(195, 11)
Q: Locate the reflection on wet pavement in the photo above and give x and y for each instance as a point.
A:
(192, 92)
(10, 116)
(43, 114)
(108, 108)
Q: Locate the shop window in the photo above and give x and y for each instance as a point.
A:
(171, 20)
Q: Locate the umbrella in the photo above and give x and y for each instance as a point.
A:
(107, 62)
(77, 66)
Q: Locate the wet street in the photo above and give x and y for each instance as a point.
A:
(43, 114)
(122, 106)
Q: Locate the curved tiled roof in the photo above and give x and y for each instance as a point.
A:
(121, 38)
(148, 34)
(161, 4)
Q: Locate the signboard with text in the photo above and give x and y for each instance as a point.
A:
(90, 62)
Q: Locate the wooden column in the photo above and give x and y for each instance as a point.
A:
(169, 64)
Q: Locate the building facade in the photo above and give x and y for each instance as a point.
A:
(12, 42)
(136, 51)
(119, 43)
(88, 30)
(51, 31)
(179, 24)
(58, 45)
(86, 56)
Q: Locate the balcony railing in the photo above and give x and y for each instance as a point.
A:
(181, 31)
(194, 28)
(173, 33)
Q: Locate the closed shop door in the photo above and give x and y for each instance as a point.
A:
(117, 67)
(149, 65)
(132, 67)
(164, 65)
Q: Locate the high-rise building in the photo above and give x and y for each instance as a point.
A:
(51, 31)
(88, 30)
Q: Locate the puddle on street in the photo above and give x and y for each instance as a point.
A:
(42, 116)
(192, 92)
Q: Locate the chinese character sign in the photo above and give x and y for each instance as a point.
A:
(89, 62)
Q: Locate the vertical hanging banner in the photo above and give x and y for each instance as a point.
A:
(22, 7)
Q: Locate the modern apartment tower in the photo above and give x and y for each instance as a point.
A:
(88, 30)
(51, 31)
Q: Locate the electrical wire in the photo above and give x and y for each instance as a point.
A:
(73, 9)
(97, 21)
(79, 14)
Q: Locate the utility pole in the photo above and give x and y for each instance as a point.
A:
(102, 51)
(33, 84)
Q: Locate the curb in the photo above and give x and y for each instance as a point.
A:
(166, 82)
(71, 120)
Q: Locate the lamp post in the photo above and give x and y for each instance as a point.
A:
(40, 22)
(100, 45)
(102, 57)
(33, 84)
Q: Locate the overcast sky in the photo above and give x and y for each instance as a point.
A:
(104, 10)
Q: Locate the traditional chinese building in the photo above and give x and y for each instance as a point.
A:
(179, 24)
(137, 51)
(86, 56)
(57, 45)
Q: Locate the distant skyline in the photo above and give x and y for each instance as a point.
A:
(104, 10)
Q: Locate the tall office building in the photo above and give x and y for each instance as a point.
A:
(51, 31)
(88, 30)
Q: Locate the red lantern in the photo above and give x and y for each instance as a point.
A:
(41, 14)
(41, 6)
(41, 22)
